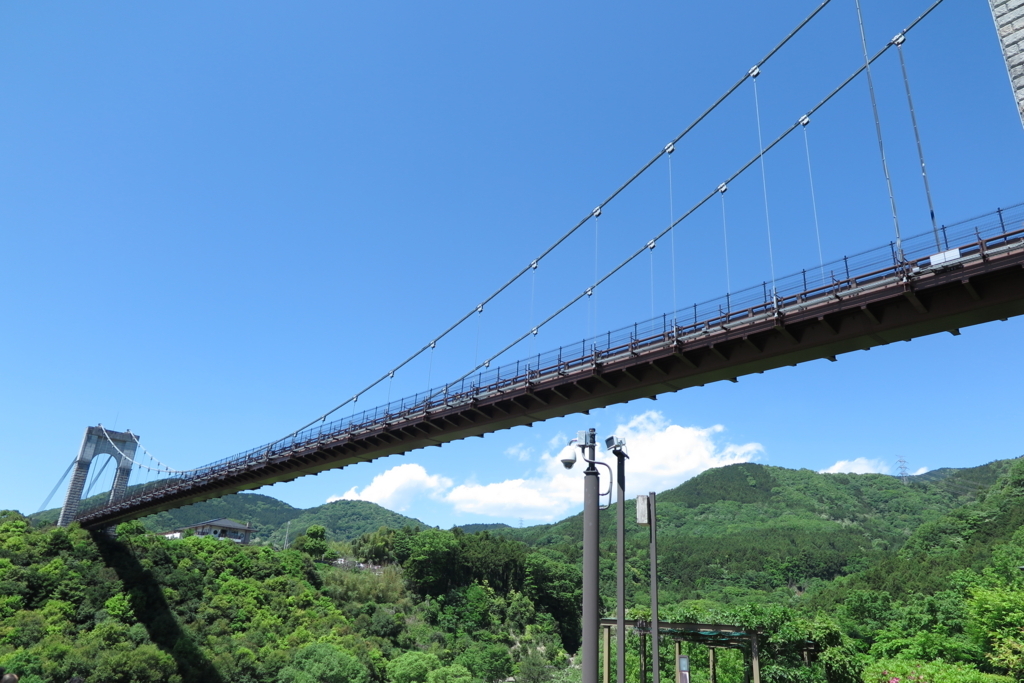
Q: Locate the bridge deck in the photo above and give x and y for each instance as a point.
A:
(980, 282)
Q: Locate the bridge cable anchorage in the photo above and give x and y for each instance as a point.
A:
(571, 231)
(669, 148)
(721, 189)
(878, 133)
(754, 73)
(898, 42)
(804, 122)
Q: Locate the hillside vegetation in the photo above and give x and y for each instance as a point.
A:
(918, 581)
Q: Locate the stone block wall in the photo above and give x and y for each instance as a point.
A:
(1009, 18)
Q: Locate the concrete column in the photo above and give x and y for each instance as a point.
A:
(78, 478)
(711, 665)
(1009, 19)
(124, 471)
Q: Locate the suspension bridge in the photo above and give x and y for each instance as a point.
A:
(952, 276)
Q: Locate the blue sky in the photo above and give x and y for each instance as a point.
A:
(220, 220)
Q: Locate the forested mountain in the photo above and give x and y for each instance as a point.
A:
(749, 533)
(919, 581)
(344, 520)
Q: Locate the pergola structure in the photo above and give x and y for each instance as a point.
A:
(713, 635)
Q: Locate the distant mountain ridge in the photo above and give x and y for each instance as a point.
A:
(835, 522)
(345, 520)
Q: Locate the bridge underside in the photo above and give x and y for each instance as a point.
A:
(969, 293)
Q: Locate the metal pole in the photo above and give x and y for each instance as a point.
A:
(620, 568)
(654, 590)
(606, 652)
(591, 618)
(755, 658)
(643, 657)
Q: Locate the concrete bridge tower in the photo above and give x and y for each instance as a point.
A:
(1009, 18)
(97, 441)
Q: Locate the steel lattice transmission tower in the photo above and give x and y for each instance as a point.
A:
(903, 470)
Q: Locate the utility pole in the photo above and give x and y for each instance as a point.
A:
(618, 448)
(586, 441)
(646, 515)
(591, 533)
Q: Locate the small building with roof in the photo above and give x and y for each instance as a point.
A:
(223, 528)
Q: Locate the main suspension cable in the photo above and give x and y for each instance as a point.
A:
(700, 203)
(568, 234)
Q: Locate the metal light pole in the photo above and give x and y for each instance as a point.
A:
(591, 533)
(586, 441)
(618, 448)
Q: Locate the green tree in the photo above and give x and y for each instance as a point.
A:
(456, 673)
(376, 547)
(316, 542)
(144, 664)
(434, 566)
(412, 667)
(487, 661)
(324, 663)
(534, 668)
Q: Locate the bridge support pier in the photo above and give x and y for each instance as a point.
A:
(1009, 18)
(98, 442)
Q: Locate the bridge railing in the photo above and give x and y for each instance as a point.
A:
(984, 234)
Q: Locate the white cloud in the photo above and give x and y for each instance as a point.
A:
(519, 452)
(858, 466)
(921, 471)
(558, 440)
(662, 456)
(396, 487)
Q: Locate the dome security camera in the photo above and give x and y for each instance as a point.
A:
(569, 460)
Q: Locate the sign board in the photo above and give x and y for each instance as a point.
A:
(643, 511)
(684, 663)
